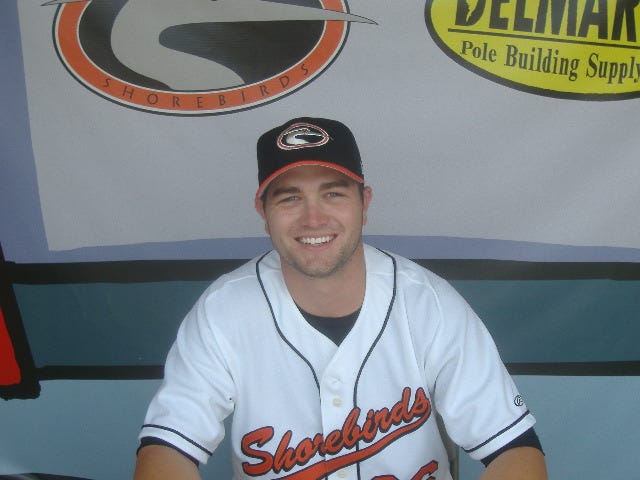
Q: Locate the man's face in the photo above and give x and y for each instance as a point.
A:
(314, 216)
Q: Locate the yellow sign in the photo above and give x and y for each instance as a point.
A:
(582, 49)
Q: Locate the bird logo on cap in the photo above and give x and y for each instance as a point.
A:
(302, 135)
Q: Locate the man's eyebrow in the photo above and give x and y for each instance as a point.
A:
(290, 189)
(335, 184)
(284, 191)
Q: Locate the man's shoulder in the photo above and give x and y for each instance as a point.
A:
(243, 275)
(403, 265)
(410, 275)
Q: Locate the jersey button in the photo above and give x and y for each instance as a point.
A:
(342, 474)
(337, 402)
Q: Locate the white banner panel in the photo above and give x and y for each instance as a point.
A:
(450, 150)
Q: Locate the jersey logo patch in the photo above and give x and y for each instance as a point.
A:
(406, 415)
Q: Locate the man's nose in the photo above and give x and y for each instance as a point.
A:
(314, 214)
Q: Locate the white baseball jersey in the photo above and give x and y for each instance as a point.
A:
(305, 409)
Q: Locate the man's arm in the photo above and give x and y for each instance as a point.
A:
(158, 462)
(521, 463)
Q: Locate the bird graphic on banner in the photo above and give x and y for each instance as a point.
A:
(135, 36)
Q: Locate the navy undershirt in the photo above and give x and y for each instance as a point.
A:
(334, 328)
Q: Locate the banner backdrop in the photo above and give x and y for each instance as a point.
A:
(506, 127)
(498, 137)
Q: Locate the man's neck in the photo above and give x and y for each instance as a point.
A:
(339, 294)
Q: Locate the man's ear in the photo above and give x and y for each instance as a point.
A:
(366, 201)
(259, 206)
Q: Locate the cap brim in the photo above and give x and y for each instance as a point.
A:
(263, 186)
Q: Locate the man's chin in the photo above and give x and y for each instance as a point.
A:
(316, 270)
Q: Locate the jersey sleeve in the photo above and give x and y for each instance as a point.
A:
(476, 397)
(197, 391)
(527, 439)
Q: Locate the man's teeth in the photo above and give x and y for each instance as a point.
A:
(315, 240)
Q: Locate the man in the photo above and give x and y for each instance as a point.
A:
(334, 357)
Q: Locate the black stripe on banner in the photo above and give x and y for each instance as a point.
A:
(575, 369)
(194, 270)
(101, 372)
(119, 272)
(150, 372)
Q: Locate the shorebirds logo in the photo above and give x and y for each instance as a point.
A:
(302, 135)
(198, 57)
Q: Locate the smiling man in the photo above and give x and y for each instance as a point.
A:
(334, 357)
(314, 216)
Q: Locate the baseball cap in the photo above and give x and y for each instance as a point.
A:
(307, 141)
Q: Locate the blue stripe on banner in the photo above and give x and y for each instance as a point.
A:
(21, 229)
(532, 321)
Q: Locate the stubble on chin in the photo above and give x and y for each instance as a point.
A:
(323, 269)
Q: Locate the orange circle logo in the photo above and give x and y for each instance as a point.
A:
(198, 57)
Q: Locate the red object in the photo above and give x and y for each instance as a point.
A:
(9, 369)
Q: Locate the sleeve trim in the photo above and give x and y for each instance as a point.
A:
(175, 432)
(522, 417)
(527, 439)
(148, 441)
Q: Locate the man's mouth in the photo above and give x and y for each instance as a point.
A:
(316, 240)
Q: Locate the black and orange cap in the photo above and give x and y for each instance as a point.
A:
(307, 141)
